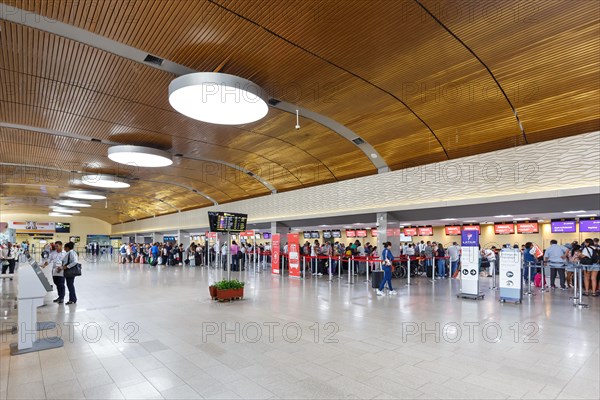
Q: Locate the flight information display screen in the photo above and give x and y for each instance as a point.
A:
(227, 222)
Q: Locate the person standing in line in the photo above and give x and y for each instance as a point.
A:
(591, 266)
(428, 254)
(555, 257)
(314, 263)
(224, 256)
(55, 261)
(234, 256)
(8, 255)
(490, 255)
(69, 261)
(386, 263)
(441, 260)
(529, 262)
(454, 257)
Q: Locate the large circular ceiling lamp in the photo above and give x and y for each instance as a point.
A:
(85, 195)
(218, 98)
(56, 214)
(104, 181)
(65, 210)
(72, 203)
(140, 156)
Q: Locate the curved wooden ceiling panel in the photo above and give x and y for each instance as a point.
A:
(420, 81)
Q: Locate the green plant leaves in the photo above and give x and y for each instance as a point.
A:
(229, 284)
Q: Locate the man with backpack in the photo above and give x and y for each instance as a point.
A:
(590, 260)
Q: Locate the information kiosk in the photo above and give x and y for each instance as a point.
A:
(469, 265)
(32, 288)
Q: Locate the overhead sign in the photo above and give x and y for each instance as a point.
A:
(452, 230)
(425, 231)
(589, 225)
(504, 229)
(410, 231)
(527, 227)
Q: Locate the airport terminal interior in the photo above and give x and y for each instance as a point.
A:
(322, 199)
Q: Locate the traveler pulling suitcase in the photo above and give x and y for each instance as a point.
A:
(376, 279)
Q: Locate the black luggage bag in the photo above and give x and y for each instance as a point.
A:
(376, 279)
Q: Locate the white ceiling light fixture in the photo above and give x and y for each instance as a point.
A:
(574, 212)
(471, 221)
(587, 215)
(448, 219)
(56, 214)
(72, 203)
(104, 181)
(218, 98)
(85, 195)
(65, 210)
(521, 219)
(140, 156)
(503, 216)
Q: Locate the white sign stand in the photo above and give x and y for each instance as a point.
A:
(32, 288)
(510, 276)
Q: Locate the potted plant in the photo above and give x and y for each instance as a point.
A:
(229, 289)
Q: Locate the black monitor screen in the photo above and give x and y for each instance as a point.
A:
(267, 235)
(326, 234)
(315, 235)
(336, 234)
(168, 238)
(62, 227)
(227, 222)
(307, 235)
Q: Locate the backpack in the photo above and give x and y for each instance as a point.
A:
(594, 259)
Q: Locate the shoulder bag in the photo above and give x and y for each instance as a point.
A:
(74, 271)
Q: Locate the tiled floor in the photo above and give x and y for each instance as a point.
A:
(141, 333)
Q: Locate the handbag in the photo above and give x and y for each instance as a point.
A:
(72, 272)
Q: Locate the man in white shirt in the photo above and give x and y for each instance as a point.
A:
(55, 261)
(490, 255)
(454, 254)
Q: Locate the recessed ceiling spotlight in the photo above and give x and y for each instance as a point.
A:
(85, 195)
(574, 212)
(140, 156)
(374, 156)
(218, 98)
(104, 181)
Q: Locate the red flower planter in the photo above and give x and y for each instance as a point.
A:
(230, 294)
(213, 292)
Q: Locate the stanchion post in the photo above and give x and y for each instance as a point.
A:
(368, 267)
(339, 267)
(543, 288)
(581, 304)
(408, 270)
(329, 269)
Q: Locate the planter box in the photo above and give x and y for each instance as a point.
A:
(213, 292)
(230, 294)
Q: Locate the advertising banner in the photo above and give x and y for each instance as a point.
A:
(294, 254)
(469, 263)
(510, 274)
(275, 253)
(32, 227)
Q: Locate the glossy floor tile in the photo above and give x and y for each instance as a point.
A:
(142, 333)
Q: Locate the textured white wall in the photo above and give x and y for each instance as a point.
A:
(562, 167)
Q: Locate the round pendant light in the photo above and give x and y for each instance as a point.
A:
(104, 181)
(56, 214)
(72, 203)
(218, 98)
(85, 195)
(140, 156)
(65, 210)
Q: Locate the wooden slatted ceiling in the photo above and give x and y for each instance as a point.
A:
(340, 59)
(220, 182)
(132, 114)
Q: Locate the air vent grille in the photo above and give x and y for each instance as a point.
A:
(358, 141)
(153, 60)
(274, 102)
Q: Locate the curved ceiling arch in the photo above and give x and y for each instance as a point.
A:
(455, 36)
(357, 76)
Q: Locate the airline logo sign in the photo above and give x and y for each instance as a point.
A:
(33, 227)
(247, 234)
(294, 255)
(470, 238)
(276, 256)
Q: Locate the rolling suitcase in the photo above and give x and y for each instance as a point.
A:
(376, 279)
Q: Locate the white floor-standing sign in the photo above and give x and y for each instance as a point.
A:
(32, 288)
(469, 265)
(510, 275)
